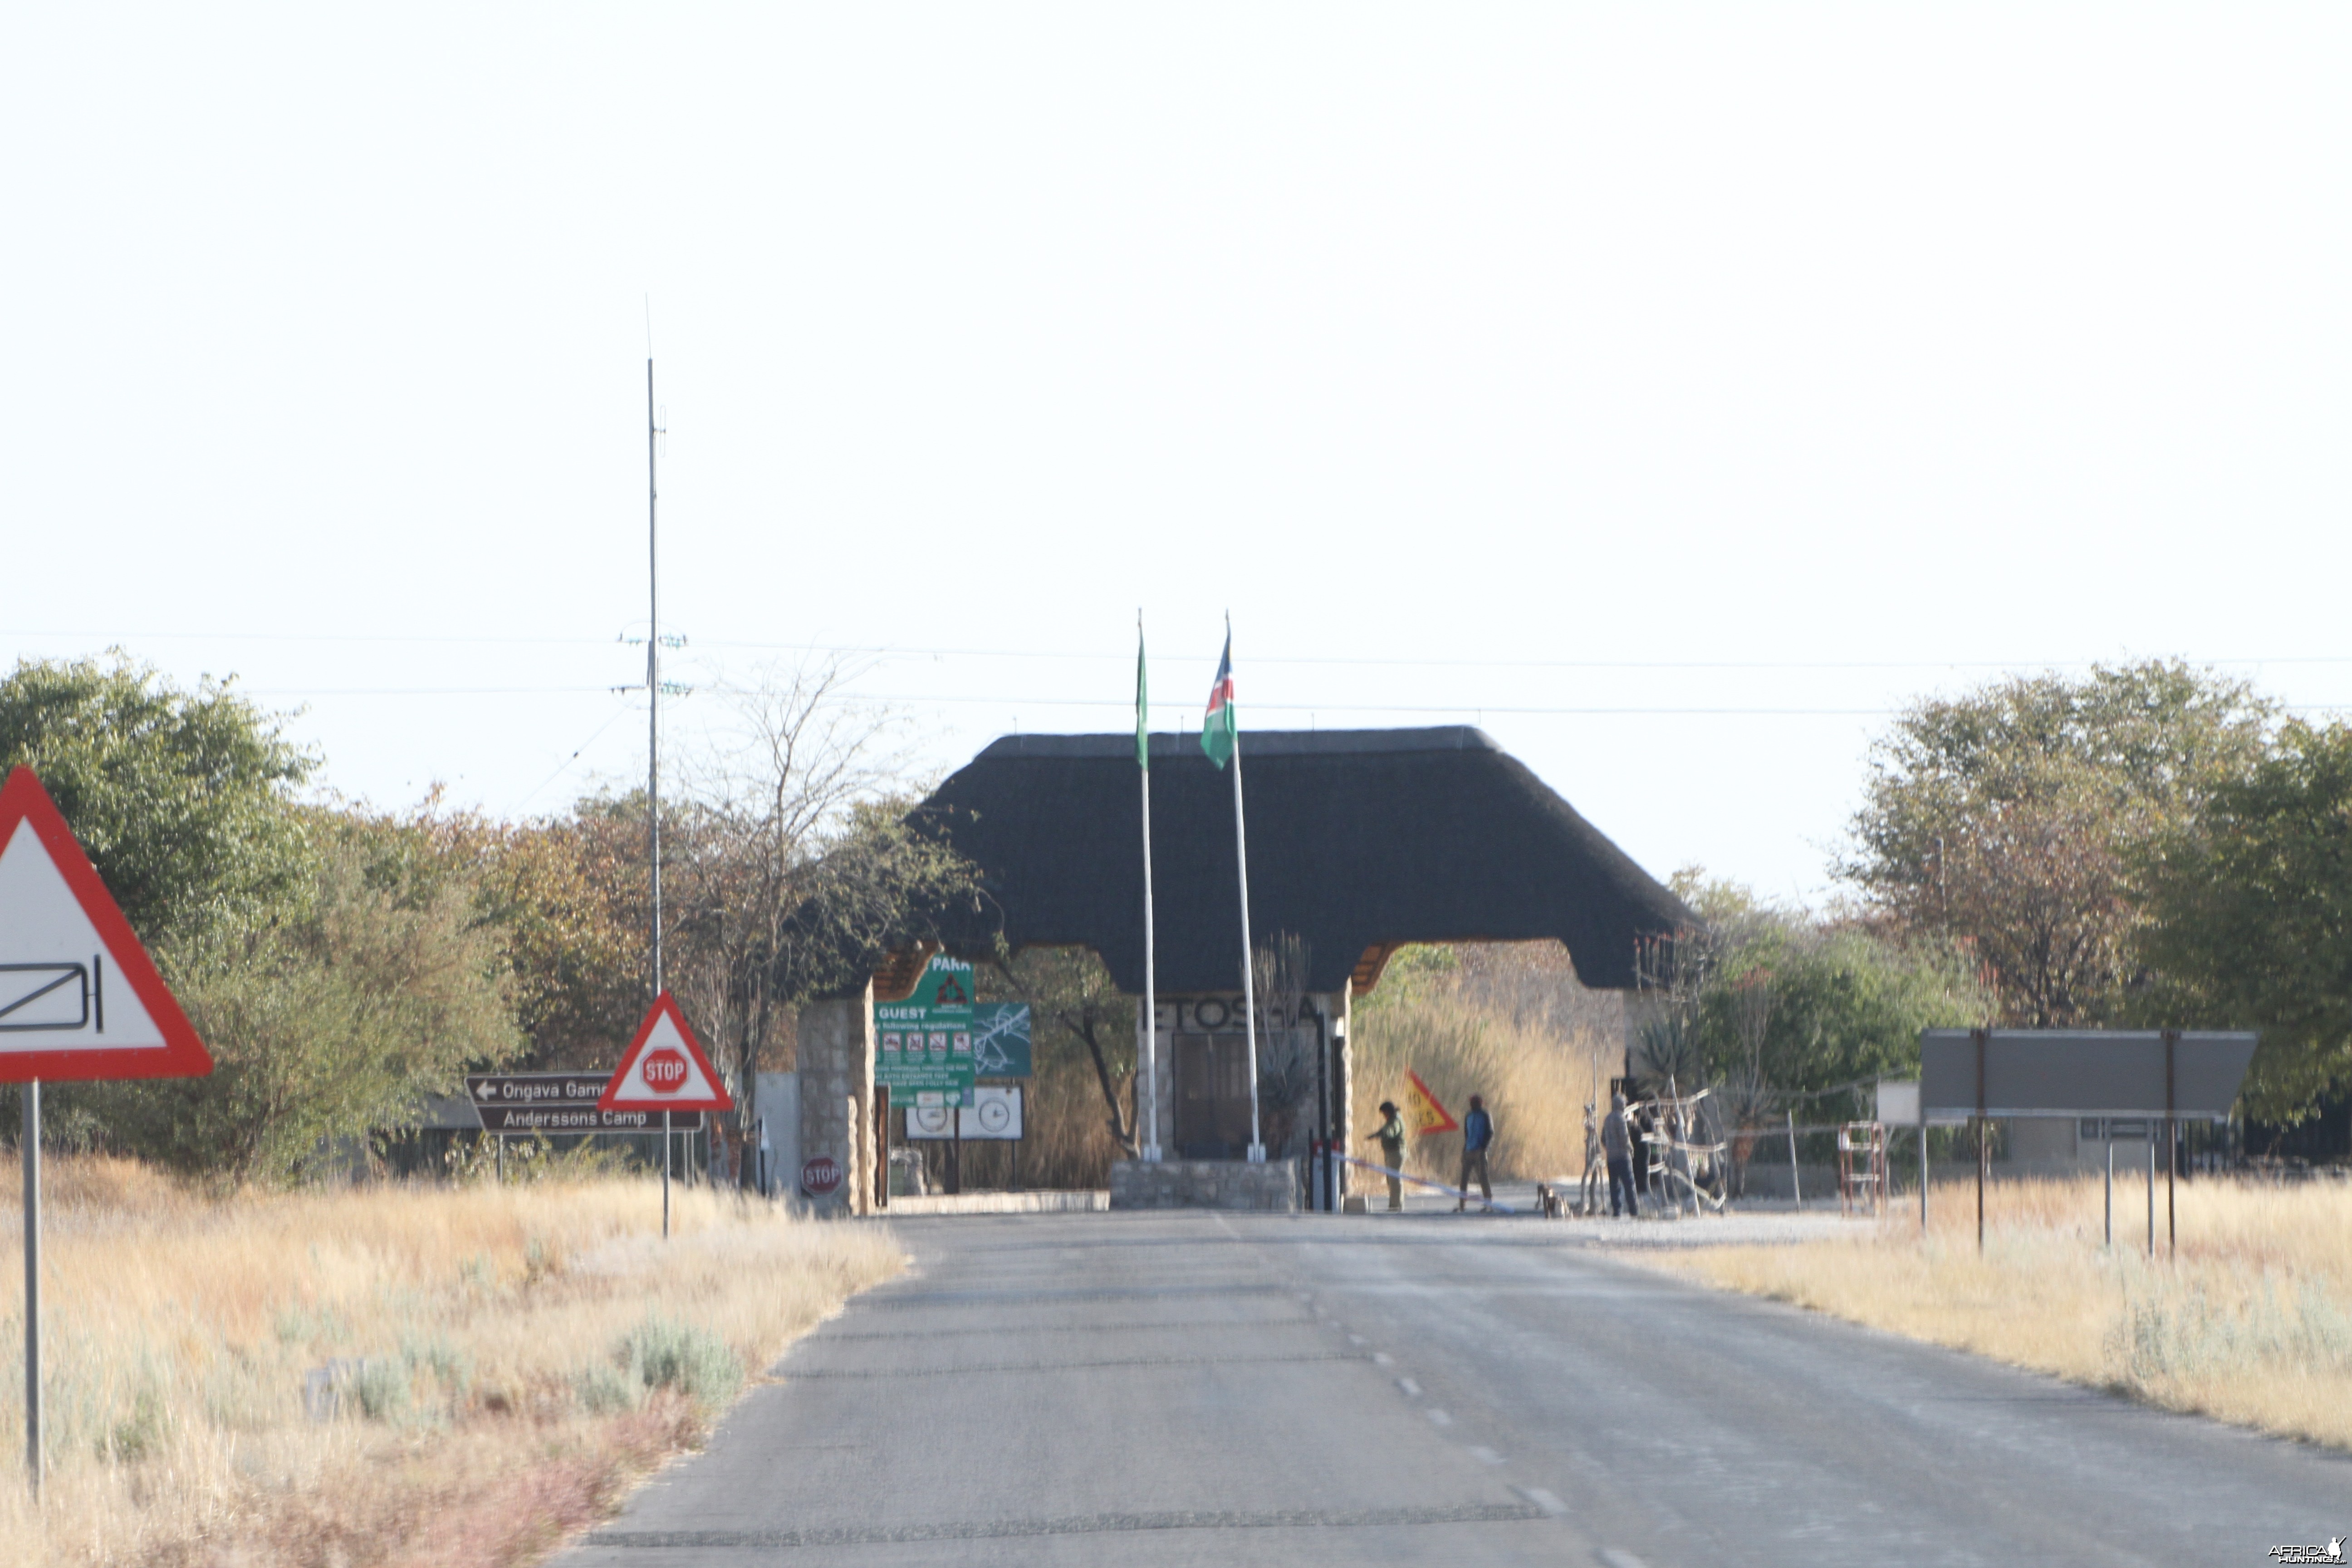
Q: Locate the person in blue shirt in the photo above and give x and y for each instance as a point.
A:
(1478, 1137)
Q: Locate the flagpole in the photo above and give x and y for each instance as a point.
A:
(1147, 1145)
(1249, 986)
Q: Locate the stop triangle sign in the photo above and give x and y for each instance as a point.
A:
(80, 998)
(664, 1068)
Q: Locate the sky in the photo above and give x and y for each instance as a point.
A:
(1677, 391)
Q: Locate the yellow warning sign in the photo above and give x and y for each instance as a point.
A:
(1422, 1113)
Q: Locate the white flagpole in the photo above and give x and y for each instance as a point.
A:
(1249, 986)
(1147, 1145)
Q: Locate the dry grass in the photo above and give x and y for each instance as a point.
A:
(1536, 1075)
(2253, 1323)
(524, 1352)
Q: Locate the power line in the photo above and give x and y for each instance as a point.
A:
(879, 650)
(999, 699)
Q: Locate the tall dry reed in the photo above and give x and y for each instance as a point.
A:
(1535, 1074)
(2252, 1322)
(484, 1366)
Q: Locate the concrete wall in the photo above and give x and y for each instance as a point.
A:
(1205, 1184)
(776, 1098)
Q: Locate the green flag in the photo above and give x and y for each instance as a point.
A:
(1142, 704)
(1218, 726)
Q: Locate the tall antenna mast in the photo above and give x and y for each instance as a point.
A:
(653, 673)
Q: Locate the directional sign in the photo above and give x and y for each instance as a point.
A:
(79, 996)
(664, 1068)
(2193, 1076)
(557, 1102)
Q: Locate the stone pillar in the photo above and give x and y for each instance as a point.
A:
(836, 1068)
(1340, 1007)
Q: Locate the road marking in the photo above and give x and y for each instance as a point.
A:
(1412, 1389)
(1543, 1500)
(1486, 1456)
(1358, 1339)
(790, 1375)
(1618, 1557)
(1381, 1358)
(1440, 1417)
(1079, 1524)
(998, 1330)
(904, 1300)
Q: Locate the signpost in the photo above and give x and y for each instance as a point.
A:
(932, 1049)
(79, 999)
(664, 1070)
(2172, 1074)
(554, 1103)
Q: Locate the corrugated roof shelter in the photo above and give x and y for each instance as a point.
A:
(1360, 841)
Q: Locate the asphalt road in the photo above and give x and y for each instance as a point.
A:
(1195, 1387)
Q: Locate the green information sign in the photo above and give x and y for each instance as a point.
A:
(925, 1056)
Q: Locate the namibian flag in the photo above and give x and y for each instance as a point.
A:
(1219, 728)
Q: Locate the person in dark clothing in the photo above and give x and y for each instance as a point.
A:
(1617, 1144)
(1390, 1133)
(1478, 1137)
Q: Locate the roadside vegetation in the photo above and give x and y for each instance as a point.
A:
(1508, 1023)
(2250, 1324)
(342, 962)
(2147, 844)
(448, 1374)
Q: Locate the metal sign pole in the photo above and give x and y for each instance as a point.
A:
(1796, 1182)
(1923, 1161)
(31, 1152)
(1249, 982)
(1982, 1036)
(2108, 1128)
(2151, 1191)
(666, 1142)
(2171, 1153)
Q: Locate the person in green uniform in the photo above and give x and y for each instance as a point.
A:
(1390, 1133)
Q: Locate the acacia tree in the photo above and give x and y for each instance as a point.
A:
(1771, 1006)
(796, 870)
(335, 963)
(2013, 819)
(1071, 994)
(2251, 907)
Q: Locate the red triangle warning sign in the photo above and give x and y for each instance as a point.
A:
(79, 996)
(664, 1068)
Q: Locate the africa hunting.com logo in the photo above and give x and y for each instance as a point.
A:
(2331, 1552)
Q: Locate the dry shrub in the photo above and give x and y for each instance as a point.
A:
(494, 1363)
(1069, 1144)
(2252, 1322)
(1506, 1023)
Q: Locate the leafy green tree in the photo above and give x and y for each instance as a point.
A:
(2250, 906)
(2014, 818)
(1775, 1005)
(327, 1014)
(183, 800)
